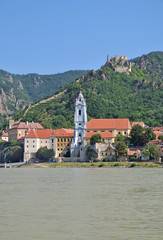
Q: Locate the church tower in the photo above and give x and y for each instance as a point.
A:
(80, 120)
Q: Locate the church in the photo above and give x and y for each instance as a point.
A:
(66, 142)
(83, 130)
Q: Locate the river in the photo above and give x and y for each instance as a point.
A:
(81, 204)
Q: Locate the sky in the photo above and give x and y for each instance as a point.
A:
(53, 36)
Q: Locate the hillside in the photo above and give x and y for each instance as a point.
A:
(136, 95)
(18, 91)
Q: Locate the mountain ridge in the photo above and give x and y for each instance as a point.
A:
(18, 91)
(109, 94)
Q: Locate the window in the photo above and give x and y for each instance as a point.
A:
(33, 146)
(33, 141)
(79, 112)
(58, 149)
(58, 144)
(61, 144)
(27, 141)
(125, 133)
(65, 140)
(46, 141)
(79, 134)
(27, 146)
(52, 140)
(61, 140)
(119, 132)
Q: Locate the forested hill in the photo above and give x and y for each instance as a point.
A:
(18, 91)
(136, 95)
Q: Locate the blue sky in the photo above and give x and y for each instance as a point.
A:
(49, 36)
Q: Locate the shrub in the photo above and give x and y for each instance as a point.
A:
(101, 165)
(105, 159)
(133, 165)
(117, 164)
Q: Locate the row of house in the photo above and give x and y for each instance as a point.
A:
(73, 142)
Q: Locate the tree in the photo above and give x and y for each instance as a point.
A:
(121, 148)
(95, 139)
(160, 137)
(91, 153)
(153, 150)
(145, 153)
(136, 133)
(44, 154)
(13, 154)
(149, 134)
(142, 140)
(120, 137)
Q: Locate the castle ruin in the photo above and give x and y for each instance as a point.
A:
(119, 63)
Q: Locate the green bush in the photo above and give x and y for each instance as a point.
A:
(105, 159)
(101, 165)
(117, 164)
(133, 165)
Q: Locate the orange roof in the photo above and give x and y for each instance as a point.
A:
(158, 128)
(103, 134)
(118, 124)
(63, 132)
(46, 133)
(133, 153)
(139, 123)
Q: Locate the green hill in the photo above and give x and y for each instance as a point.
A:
(137, 95)
(18, 91)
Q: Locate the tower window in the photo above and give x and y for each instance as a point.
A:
(79, 112)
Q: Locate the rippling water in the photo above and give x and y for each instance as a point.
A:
(80, 204)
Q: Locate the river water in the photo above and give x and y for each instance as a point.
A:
(81, 204)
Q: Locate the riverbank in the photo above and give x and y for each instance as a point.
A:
(92, 165)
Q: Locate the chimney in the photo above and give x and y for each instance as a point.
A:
(11, 123)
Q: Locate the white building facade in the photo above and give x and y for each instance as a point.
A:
(80, 120)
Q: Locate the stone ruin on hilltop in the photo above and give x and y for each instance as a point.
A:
(119, 63)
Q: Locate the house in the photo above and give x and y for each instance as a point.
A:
(158, 131)
(105, 150)
(138, 123)
(136, 152)
(59, 140)
(4, 136)
(20, 129)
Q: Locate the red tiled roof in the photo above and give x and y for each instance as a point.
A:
(103, 134)
(157, 133)
(26, 125)
(133, 153)
(118, 124)
(46, 133)
(4, 134)
(139, 123)
(157, 128)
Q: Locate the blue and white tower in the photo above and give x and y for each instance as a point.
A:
(80, 120)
